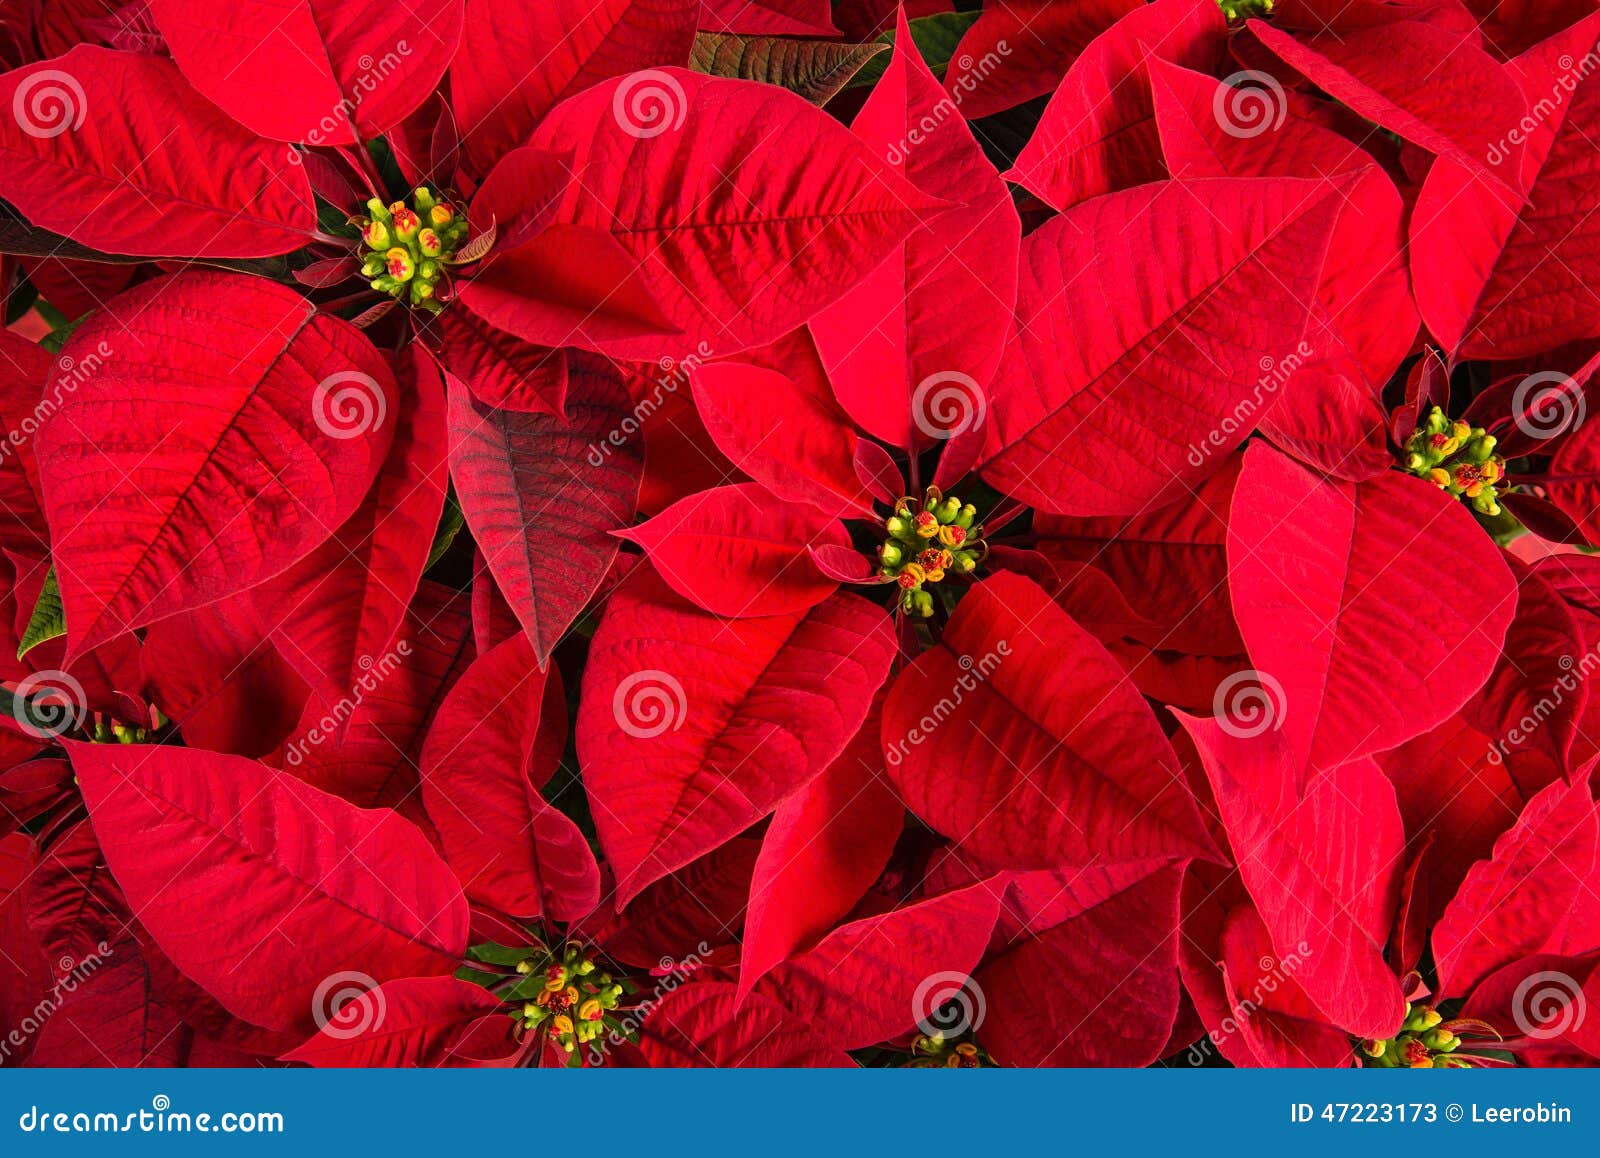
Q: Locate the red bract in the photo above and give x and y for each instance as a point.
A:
(1097, 948)
(1488, 263)
(1085, 772)
(826, 845)
(514, 474)
(1322, 575)
(511, 849)
(76, 181)
(706, 533)
(518, 62)
(1420, 79)
(1319, 862)
(948, 307)
(734, 550)
(1085, 144)
(273, 850)
(725, 718)
(224, 434)
(1100, 422)
(656, 247)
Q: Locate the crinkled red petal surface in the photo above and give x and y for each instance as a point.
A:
(695, 533)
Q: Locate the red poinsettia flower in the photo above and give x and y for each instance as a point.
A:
(1309, 955)
(691, 533)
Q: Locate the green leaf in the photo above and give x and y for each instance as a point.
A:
(479, 977)
(936, 38)
(388, 165)
(60, 328)
(449, 525)
(15, 706)
(526, 989)
(47, 621)
(55, 709)
(335, 219)
(20, 300)
(492, 954)
(815, 69)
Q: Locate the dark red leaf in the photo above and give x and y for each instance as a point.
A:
(535, 489)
